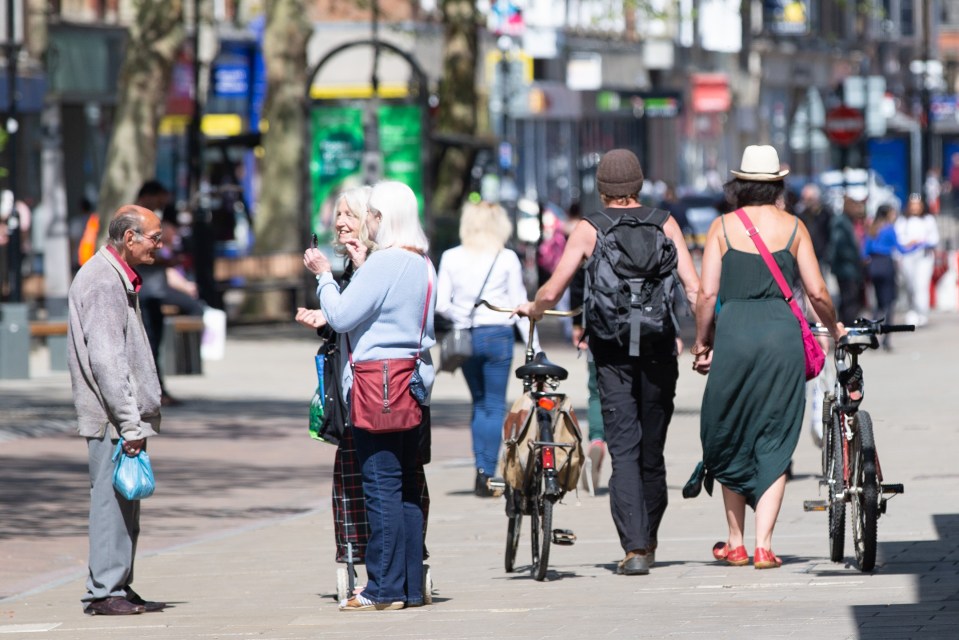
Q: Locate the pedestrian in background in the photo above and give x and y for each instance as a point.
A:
(919, 234)
(117, 396)
(845, 258)
(817, 216)
(153, 196)
(881, 250)
(382, 314)
(481, 267)
(636, 392)
(754, 399)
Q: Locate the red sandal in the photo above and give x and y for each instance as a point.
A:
(737, 557)
(766, 559)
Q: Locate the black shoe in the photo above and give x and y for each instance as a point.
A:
(148, 605)
(481, 489)
(113, 606)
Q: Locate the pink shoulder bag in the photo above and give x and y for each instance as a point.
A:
(815, 357)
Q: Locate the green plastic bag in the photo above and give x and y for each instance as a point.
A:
(317, 412)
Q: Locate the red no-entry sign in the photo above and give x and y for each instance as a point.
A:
(844, 125)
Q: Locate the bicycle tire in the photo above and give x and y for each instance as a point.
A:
(826, 445)
(542, 533)
(515, 516)
(835, 484)
(865, 497)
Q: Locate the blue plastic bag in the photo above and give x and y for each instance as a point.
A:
(133, 475)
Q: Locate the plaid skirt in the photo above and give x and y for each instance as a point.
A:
(349, 505)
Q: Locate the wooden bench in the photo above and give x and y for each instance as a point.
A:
(54, 333)
(262, 273)
(180, 346)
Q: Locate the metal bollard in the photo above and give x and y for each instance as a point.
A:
(14, 342)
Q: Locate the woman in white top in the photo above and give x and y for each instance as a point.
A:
(917, 231)
(481, 267)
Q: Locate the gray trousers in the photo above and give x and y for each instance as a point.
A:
(114, 526)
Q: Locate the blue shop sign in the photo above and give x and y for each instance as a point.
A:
(231, 80)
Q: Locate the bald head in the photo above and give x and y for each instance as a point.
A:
(128, 217)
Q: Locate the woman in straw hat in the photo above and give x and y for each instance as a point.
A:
(753, 404)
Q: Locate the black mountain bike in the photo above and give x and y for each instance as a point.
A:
(546, 469)
(851, 471)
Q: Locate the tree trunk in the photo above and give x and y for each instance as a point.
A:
(154, 37)
(278, 214)
(457, 94)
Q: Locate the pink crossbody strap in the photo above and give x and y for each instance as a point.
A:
(770, 261)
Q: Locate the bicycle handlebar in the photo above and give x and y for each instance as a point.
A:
(549, 312)
(863, 326)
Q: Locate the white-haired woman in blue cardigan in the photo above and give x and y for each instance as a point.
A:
(382, 313)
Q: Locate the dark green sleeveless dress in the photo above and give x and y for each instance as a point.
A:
(755, 395)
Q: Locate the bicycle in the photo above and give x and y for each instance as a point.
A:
(851, 471)
(534, 483)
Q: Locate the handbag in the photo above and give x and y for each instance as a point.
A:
(326, 421)
(695, 484)
(387, 394)
(457, 345)
(133, 475)
(814, 356)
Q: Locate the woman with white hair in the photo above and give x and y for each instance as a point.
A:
(382, 314)
(482, 268)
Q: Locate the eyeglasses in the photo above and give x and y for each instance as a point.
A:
(155, 238)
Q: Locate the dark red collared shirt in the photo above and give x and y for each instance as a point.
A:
(134, 277)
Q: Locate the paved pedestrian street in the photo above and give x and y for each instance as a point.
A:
(239, 538)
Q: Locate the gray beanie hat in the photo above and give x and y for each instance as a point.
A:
(619, 173)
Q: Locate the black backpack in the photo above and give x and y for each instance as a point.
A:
(631, 280)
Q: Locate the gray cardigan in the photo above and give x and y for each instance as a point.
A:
(112, 370)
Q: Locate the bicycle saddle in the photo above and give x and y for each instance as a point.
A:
(540, 367)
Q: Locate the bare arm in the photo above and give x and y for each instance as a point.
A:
(579, 246)
(814, 285)
(708, 295)
(686, 268)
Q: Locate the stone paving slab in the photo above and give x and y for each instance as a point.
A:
(239, 538)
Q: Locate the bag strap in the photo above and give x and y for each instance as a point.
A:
(479, 296)
(426, 311)
(770, 262)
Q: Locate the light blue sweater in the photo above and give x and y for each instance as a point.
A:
(382, 310)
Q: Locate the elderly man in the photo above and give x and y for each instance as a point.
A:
(117, 396)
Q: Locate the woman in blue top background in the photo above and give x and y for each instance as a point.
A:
(879, 249)
(381, 312)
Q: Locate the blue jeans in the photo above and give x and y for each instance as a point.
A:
(487, 374)
(394, 553)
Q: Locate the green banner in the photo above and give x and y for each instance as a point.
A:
(401, 141)
(336, 161)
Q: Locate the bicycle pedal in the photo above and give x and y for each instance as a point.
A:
(563, 537)
(814, 505)
(893, 488)
(497, 486)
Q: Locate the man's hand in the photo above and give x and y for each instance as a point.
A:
(133, 447)
(528, 310)
(578, 341)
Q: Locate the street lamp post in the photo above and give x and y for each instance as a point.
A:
(14, 254)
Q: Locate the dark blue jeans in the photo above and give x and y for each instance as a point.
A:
(394, 553)
(487, 374)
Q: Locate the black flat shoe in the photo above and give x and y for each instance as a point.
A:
(113, 606)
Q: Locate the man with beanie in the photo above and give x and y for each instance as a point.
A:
(636, 392)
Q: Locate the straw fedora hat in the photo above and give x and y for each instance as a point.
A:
(760, 164)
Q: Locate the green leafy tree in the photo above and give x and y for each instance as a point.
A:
(154, 37)
(284, 52)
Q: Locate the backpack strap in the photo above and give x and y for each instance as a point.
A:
(657, 217)
(600, 220)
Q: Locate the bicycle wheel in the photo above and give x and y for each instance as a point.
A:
(834, 484)
(541, 526)
(515, 517)
(865, 493)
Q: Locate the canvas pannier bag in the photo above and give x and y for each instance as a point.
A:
(521, 430)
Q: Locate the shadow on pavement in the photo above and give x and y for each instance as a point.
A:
(934, 564)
